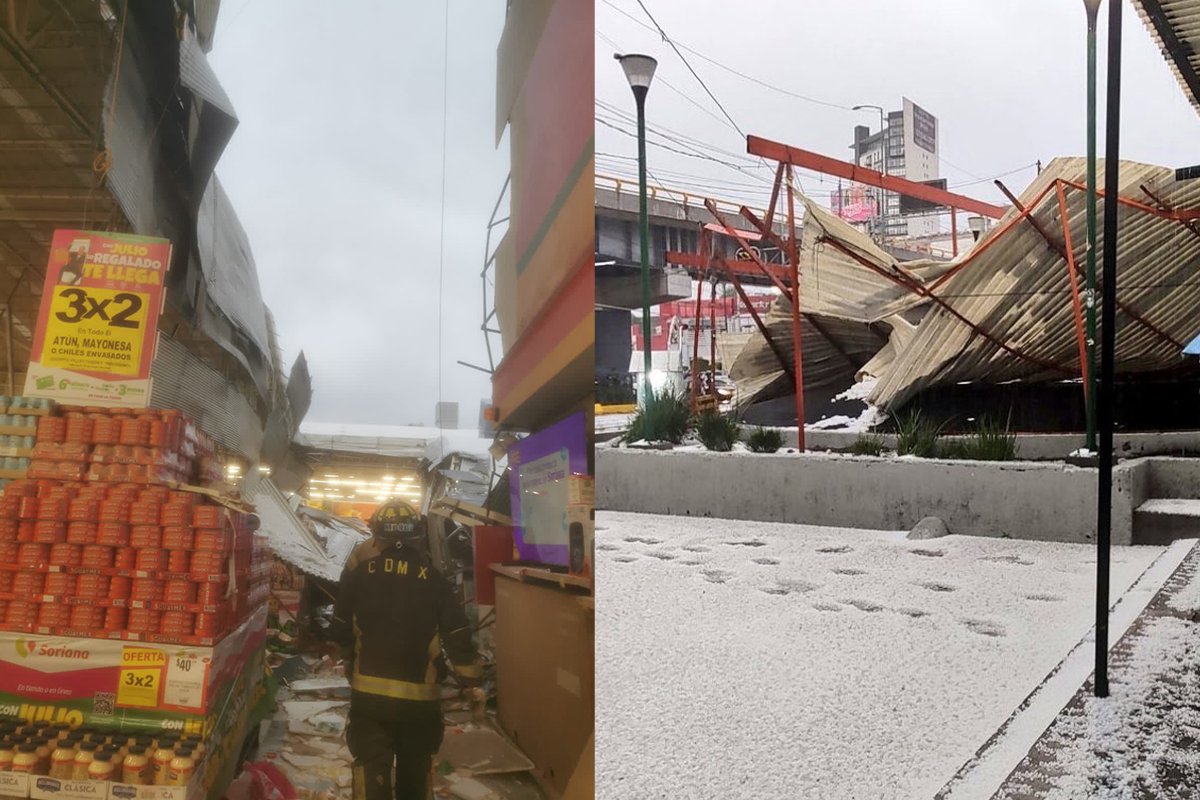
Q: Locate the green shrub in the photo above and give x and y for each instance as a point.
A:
(717, 431)
(916, 436)
(667, 415)
(868, 444)
(956, 449)
(993, 442)
(765, 440)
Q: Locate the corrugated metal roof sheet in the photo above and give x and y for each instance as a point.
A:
(1175, 27)
(1013, 287)
(1018, 292)
(320, 551)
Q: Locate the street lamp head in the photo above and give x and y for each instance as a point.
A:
(639, 69)
(976, 224)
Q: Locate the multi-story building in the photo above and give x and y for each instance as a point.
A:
(908, 147)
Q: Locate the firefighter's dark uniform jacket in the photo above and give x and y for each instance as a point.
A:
(396, 611)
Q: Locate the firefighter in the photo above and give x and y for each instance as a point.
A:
(394, 614)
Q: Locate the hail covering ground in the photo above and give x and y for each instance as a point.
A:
(752, 660)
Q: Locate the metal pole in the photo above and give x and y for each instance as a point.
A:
(639, 93)
(954, 230)
(1108, 312)
(797, 350)
(1089, 301)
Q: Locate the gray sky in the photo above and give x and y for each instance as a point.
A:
(336, 171)
(1005, 79)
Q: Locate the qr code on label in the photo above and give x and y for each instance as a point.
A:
(102, 706)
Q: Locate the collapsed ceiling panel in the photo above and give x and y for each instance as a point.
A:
(1004, 311)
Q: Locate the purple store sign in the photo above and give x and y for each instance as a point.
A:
(538, 467)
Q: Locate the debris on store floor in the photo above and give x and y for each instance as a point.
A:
(305, 739)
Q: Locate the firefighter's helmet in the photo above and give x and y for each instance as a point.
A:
(397, 521)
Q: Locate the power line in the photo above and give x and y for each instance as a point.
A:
(687, 64)
(442, 229)
(725, 67)
(666, 83)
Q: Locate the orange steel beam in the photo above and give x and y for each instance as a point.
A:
(1163, 204)
(774, 196)
(1176, 214)
(1057, 247)
(796, 348)
(741, 266)
(762, 328)
(736, 234)
(765, 230)
(844, 169)
(696, 329)
(923, 291)
(1073, 278)
(982, 248)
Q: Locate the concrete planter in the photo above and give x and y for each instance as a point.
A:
(1015, 499)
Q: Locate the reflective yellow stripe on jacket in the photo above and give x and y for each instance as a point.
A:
(401, 690)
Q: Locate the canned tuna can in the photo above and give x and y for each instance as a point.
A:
(115, 619)
(145, 536)
(211, 539)
(53, 615)
(52, 508)
(8, 530)
(208, 516)
(142, 620)
(97, 556)
(28, 583)
(83, 510)
(175, 513)
(179, 561)
(120, 587)
(6, 582)
(177, 537)
(113, 534)
(32, 554)
(179, 591)
(59, 584)
(66, 555)
(151, 559)
(125, 558)
(178, 623)
(86, 617)
(50, 531)
(82, 532)
(28, 508)
(8, 552)
(115, 510)
(93, 586)
(21, 612)
(205, 562)
(26, 529)
(146, 590)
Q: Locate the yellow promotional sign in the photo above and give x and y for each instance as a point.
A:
(141, 675)
(95, 330)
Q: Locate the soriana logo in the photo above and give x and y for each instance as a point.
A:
(51, 650)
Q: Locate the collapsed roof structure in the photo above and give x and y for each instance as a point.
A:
(1008, 310)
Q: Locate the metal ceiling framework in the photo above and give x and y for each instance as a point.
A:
(54, 65)
(1010, 309)
(786, 278)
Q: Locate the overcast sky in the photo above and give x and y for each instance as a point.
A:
(336, 171)
(1006, 81)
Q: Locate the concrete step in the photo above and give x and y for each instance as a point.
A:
(1162, 520)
